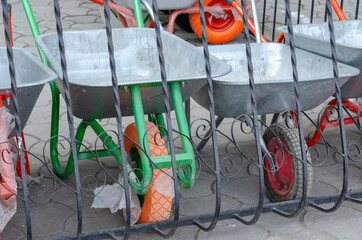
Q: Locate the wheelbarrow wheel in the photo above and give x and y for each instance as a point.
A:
(156, 206)
(286, 183)
(219, 30)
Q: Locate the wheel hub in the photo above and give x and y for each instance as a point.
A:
(281, 175)
(221, 23)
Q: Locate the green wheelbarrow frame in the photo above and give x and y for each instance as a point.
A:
(187, 158)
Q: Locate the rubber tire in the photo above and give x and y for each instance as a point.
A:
(290, 137)
(215, 37)
(156, 207)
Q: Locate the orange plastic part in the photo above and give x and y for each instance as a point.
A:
(218, 31)
(156, 207)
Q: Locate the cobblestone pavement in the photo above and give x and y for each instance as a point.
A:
(58, 217)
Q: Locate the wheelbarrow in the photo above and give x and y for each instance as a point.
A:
(223, 23)
(274, 90)
(31, 75)
(140, 93)
(315, 38)
(274, 93)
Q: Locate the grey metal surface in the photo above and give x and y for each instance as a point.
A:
(31, 75)
(137, 63)
(273, 80)
(315, 38)
(162, 4)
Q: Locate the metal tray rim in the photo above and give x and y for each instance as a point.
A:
(51, 58)
(353, 72)
(52, 75)
(284, 30)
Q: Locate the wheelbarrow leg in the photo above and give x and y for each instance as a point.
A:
(208, 134)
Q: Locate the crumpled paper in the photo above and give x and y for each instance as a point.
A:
(114, 197)
(7, 172)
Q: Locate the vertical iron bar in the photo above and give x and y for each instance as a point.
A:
(117, 106)
(340, 114)
(210, 90)
(299, 7)
(299, 115)
(312, 12)
(274, 18)
(357, 9)
(264, 13)
(69, 114)
(170, 139)
(342, 1)
(14, 92)
(256, 130)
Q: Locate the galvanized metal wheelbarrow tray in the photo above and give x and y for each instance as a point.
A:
(31, 75)
(137, 64)
(315, 38)
(273, 80)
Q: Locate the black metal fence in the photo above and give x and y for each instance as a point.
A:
(266, 161)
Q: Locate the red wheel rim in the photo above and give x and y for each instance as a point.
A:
(282, 180)
(219, 24)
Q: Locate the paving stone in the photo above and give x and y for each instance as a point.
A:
(245, 189)
(204, 205)
(12, 233)
(238, 230)
(334, 175)
(180, 234)
(335, 224)
(201, 188)
(87, 26)
(323, 189)
(82, 19)
(94, 221)
(280, 225)
(47, 220)
(304, 234)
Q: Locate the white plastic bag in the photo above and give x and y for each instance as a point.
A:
(7, 172)
(114, 198)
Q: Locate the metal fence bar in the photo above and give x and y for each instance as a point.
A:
(274, 18)
(70, 120)
(18, 127)
(312, 11)
(299, 115)
(338, 203)
(117, 107)
(357, 9)
(264, 15)
(170, 137)
(299, 9)
(211, 101)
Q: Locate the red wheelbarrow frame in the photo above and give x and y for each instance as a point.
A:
(324, 121)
